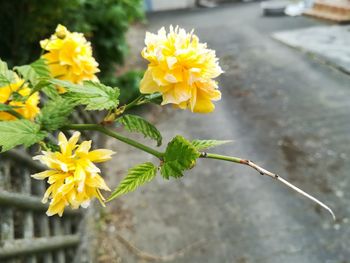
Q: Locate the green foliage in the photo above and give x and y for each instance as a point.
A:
(6, 76)
(19, 132)
(135, 123)
(37, 74)
(94, 95)
(24, 23)
(136, 177)
(180, 155)
(34, 72)
(129, 84)
(55, 114)
(53, 147)
(205, 144)
(104, 23)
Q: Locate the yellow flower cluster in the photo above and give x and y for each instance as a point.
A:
(73, 177)
(182, 69)
(28, 109)
(69, 56)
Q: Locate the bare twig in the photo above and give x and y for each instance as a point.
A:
(263, 171)
(150, 257)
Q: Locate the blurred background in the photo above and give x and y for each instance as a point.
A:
(285, 104)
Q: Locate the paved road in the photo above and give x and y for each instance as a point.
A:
(286, 111)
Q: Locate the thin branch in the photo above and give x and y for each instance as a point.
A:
(150, 257)
(104, 130)
(263, 171)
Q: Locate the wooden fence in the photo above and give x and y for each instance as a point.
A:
(26, 234)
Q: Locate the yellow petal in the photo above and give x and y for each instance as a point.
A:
(148, 85)
(171, 61)
(79, 177)
(97, 181)
(47, 194)
(43, 175)
(178, 93)
(71, 145)
(88, 166)
(100, 155)
(58, 176)
(84, 147)
(62, 142)
(64, 189)
(57, 208)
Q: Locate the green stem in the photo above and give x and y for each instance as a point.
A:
(140, 100)
(223, 158)
(133, 103)
(104, 130)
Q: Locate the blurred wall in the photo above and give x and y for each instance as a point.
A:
(159, 5)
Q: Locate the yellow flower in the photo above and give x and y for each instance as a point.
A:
(69, 56)
(27, 109)
(182, 69)
(73, 177)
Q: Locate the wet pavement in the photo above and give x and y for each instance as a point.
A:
(329, 43)
(284, 110)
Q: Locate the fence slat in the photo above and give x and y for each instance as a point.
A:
(28, 215)
(22, 157)
(6, 216)
(7, 227)
(43, 244)
(58, 230)
(26, 233)
(28, 202)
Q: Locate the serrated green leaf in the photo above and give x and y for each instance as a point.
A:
(6, 76)
(94, 95)
(135, 123)
(205, 144)
(27, 73)
(41, 68)
(19, 132)
(180, 155)
(55, 113)
(50, 91)
(36, 73)
(136, 177)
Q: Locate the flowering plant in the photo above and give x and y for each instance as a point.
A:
(181, 72)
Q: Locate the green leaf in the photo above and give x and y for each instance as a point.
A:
(6, 76)
(41, 68)
(205, 144)
(137, 124)
(50, 91)
(36, 73)
(180, 155)
(136, 177)
(55, 113)
(19, 132)
(94, 95)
